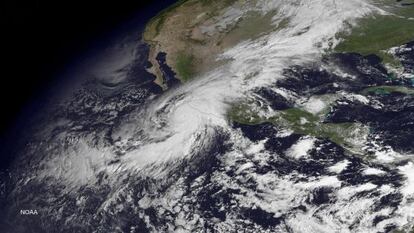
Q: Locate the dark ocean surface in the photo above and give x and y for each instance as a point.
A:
(71, 66)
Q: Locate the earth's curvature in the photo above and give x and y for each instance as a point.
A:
(250, 116)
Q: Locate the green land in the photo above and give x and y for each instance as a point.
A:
(185, 66)
(303, 122)
(378, 33)
(385, 90)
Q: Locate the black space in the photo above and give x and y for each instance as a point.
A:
(38, 37)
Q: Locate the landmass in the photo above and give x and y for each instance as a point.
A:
(380, 32)
(193, 32)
